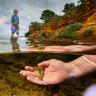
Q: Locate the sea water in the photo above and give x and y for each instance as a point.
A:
(12, 60)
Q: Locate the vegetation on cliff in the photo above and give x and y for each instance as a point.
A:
(70, 31)
(88, 32)
(54, 24)
(47, 14)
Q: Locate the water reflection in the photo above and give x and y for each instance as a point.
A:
(35, 44)
(25, 44)
(15, 44)
(60, 47)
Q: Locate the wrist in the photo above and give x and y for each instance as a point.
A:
(81, 66)
(73, 70)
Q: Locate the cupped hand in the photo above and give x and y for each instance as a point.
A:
(55, 73)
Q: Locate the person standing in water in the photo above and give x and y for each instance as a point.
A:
(15, 24)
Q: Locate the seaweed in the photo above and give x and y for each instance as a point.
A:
(13, 84)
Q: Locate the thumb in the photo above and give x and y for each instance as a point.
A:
(44, 64)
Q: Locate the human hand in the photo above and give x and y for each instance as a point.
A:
(56, 72)
(12, 26)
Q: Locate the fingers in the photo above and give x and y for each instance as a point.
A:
(27, 73)
(32, 77)
(36, 81)
(28, 68)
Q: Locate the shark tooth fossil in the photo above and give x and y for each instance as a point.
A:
(39, 71)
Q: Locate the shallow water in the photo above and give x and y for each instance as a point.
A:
(11, 45)
(13, 84)
(15, 45)
(8, 45)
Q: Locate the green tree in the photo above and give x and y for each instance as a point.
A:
(46, 14)
(35, 25)
(68, 6)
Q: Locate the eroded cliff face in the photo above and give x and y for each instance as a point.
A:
(82, 16)
(89, 23)
(85, 15)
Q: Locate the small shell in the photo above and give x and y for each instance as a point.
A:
(39, 71)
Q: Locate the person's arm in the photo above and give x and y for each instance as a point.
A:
(82, 65)
(11, 25)
(58, 71)
(11, 21)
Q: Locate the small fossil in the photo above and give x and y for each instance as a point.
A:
(39, 71)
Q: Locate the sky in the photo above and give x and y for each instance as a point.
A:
(29, 11)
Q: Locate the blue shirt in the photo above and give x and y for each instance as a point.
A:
(15, 19)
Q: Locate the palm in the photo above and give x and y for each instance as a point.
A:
(54, 74)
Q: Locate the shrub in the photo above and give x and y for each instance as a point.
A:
(74, 27)
(70, 31)
(66, 34)
(42, 26)
(35, 26)
(51, 34)
(47, 20)
(54, 18)
(27, 34)
(67, 13)
(72, 11)
(43, 33)
(88, 32)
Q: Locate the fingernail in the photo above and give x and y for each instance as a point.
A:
(20, 72)
(24, 74)
(28, 78)
(26, 66)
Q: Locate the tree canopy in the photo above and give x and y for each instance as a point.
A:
(46, 14)
(68, 6)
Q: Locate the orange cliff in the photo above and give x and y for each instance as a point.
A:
(86, 16)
